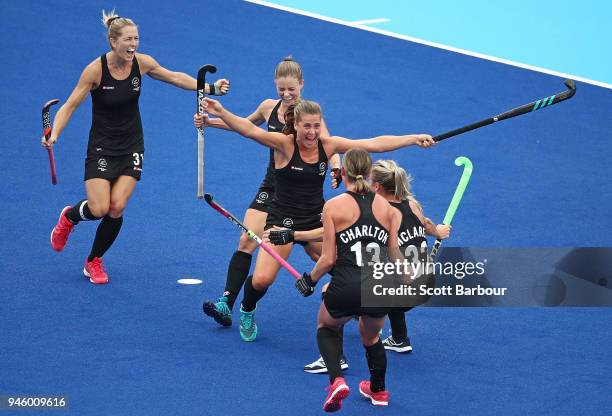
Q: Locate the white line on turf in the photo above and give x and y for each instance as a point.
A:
(370, 21)
(189, 281)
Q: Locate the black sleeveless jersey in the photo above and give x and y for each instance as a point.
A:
(351, 242)
(274, 124)
(299, 185)
(411, 235)
(116, 128)
(412, 231)
(357, 246)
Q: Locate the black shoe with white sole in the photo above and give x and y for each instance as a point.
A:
(392, 345)
(318, 366)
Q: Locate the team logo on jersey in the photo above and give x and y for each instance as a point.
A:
(262, 197)
(288, 222)
(104, 87)
(322, 168)
(135, 84)
(102, 164)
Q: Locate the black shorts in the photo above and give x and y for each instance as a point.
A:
(263, 199)
(296, 223)
(306, 223)
(111, 167)
(346, 301)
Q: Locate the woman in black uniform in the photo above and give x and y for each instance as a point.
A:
(116, 148)
(300, 158)
(392, 183)
(352, 221)
(289, 81)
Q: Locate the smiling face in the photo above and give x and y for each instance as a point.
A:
(308, 129)
(289, 89)
(124, 45)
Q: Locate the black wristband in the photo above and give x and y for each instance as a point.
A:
(308, 278)
(211, 89)
(290, 236)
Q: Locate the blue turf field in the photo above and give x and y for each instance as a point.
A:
(140, 345)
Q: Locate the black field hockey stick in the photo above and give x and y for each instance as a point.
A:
(526, 108)
(201, 84)
(209, 199)
(47, 128)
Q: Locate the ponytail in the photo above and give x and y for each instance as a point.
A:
(357, 165)
(290, 119)
(115, 23)
(394, 180)
(361, 185)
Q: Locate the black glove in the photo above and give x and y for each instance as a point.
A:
(305, 285)
(281, 237)
(337, 175)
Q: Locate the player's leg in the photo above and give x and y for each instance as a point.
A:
(374, 389)
(313, 249)
(90, 209)
(318, 366)
(398, 341)
(255, 287)
(109, 227)
(328, 340)
(238, 269)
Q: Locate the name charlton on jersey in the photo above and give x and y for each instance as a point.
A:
(364, 231)
(407, 235)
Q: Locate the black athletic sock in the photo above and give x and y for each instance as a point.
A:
(328, 341)
(80, 212)
(377, 363)
(237, 272)
(105, 236)
(251, 295)
(399, 332)
(341, 340)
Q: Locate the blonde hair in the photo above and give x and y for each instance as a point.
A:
(296, 110)
(115, 24)
(357, 165)
(288, 68)
(394, 180)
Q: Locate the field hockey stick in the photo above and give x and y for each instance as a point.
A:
(452, 208)
(252, 235)
(47, 128)
(526, 108)
(201, 84)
